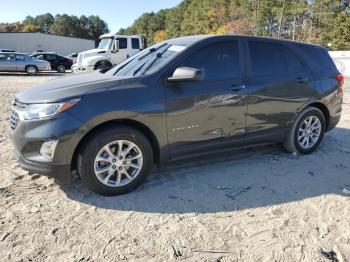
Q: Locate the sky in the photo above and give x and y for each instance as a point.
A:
(118, 13)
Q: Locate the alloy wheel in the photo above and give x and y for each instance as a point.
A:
(118, 163)
(309, 132)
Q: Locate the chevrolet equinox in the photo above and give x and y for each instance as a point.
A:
(183, 97)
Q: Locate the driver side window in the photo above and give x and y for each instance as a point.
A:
(219, 61)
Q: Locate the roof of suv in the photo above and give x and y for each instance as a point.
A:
(187, 40)
(13, 53)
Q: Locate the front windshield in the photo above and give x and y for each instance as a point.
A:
(105, 43)
(148, 60)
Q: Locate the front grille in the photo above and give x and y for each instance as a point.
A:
(14, 119)
(14, 115)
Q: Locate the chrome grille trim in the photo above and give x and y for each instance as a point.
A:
(16, 114)
(14, 119)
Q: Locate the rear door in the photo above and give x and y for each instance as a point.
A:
(207, 114)
(279, 83)
(53, 59)
(21, 62)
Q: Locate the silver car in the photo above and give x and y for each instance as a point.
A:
(18, 62)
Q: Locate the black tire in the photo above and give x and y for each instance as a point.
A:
(31, 70)
(103, 65)
(61, 69)
(292, 143)
(103, 69)
(96, 142)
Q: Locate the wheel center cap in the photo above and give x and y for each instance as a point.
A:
(119, 162)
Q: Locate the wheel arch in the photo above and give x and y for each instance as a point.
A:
(104, 62)
(25, 68)
(324, 109)
(149, 134)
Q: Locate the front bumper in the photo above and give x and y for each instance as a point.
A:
(59, 172)
(81, 69)
(28, 136)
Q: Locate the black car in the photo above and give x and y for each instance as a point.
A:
(184, 97)
(58, 62)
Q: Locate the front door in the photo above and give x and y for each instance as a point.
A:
(123, 52)
(208, 113)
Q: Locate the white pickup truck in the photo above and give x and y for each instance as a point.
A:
(112, 50)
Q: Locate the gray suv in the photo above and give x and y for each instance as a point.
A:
(18, 62)
(181, 98)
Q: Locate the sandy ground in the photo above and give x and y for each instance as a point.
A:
(254, 205)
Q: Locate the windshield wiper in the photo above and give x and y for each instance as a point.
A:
(147, 61)
(120, 68)
(138, 69)
(158, 56)
(152, 50)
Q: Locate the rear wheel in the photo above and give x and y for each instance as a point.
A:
(115, 161)
(307, 132)
(61, 69)
(31, 70)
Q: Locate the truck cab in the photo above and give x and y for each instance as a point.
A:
(112, 50)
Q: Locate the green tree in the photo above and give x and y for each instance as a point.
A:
(341, 32)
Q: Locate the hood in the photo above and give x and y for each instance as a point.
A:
(69, 87)
(94, 51)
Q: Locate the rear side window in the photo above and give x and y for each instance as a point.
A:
(20, 58)
(61, 58)
(40, 57)
(50, 57)
(135, 43)
(293, 62)
(319, 55)
(217, 61)
(123, 43)
(267, 58)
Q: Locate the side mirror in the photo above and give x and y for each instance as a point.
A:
(115, 46)
(186, 74)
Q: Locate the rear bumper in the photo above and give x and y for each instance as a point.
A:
(333, 122)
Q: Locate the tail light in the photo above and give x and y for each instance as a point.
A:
(340, 79)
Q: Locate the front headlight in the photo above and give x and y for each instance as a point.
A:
(37, 111)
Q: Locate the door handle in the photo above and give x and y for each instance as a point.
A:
(236, 87)
(302, 80)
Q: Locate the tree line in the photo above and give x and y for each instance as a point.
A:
(88, 27)
(324, 22)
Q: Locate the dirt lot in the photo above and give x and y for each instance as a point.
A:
(255, 205)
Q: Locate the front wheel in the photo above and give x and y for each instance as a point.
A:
(307, 132)
(115, 161)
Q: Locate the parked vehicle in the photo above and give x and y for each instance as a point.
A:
(18, 62)
(58, 62)
(73, 57)
(183, 97)
(7, 50)
(112, 50)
